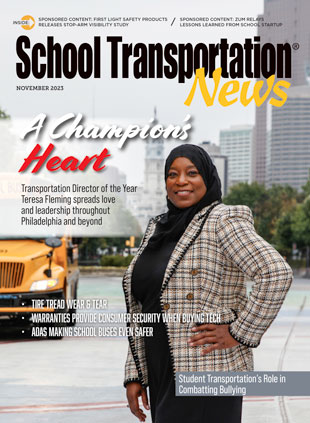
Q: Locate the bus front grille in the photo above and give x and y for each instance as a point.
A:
(11, 274)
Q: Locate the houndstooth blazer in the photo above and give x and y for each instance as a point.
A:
(206, 274)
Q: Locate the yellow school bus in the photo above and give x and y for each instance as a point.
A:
(36, 269)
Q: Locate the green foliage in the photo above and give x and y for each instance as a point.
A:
(306, 187)
(89, 246)
(118, 261)
(297, 264)
(280, 199)
(284, 236)
(267, 205)
(251, 195)
(4, 115)
(301, 224)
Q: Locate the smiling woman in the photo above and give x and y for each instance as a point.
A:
(195, 259)
(185, 186)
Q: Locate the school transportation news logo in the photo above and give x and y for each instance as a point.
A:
(251, 58)
(27, 22)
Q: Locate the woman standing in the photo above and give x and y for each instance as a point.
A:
(194, 259)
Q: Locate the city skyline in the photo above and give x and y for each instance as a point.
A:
(295, 29)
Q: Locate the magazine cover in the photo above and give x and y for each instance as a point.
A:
(155, 211)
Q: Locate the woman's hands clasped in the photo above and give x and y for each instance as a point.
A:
(134, 390)
(217, 336)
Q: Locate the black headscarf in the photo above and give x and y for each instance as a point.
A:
(173, 224)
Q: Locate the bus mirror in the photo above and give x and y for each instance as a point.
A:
(53, 242)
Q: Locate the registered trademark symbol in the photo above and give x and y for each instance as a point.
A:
(295, 46)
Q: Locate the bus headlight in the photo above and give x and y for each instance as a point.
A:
(43, 285)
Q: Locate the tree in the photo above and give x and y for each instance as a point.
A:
(89, 246)
(267, 205)
(301, 224)
(251, 195)
(284, 235)
(281, 214)
(301, 229)
(306, 187)
(281, 199)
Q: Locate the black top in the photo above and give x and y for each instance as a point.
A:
(147, 280)
(148, 275)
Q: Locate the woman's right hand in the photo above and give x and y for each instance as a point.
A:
(134, 390)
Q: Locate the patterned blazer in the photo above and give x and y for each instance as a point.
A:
(206, 273)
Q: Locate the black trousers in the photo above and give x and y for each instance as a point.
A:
(199, 410)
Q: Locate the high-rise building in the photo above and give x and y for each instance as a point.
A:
(288, 140)
(295, 28)
(220, 161)
(236, 144)
(150, 199)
